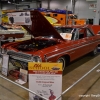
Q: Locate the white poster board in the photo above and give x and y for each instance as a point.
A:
(92, 6)
(22, 77)
(5, 63)
(19, 18)
(45, 79)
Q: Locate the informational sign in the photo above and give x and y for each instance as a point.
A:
(19, 18)
(5, 64)
(23, 74)
(92, 6)
(22, 77)
(45, 79)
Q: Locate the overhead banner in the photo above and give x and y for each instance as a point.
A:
(45, 79)
(19, 18)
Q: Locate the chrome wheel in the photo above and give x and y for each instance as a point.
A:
(63, 61)
(94, 52)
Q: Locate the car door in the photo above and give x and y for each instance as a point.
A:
(80, 46)
(84, 41)
(91, 40)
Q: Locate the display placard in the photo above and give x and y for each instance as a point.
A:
(19, 18)
(5, 62)
(45, 79)
(92, 6)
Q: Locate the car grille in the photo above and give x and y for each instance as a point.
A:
(19, 55)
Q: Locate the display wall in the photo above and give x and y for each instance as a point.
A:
(81, 8)
(32, 4)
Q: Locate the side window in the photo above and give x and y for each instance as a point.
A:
(67, 30)
(75, 34)
(81, 33)
(59, 30)
(89, 33)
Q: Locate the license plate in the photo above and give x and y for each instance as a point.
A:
(15, 63)
(18, 63)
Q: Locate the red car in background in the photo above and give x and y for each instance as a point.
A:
(61, 44)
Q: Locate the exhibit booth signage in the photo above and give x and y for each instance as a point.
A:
(45, 79)
(19, 18)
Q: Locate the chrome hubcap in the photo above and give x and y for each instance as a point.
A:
(61, 60)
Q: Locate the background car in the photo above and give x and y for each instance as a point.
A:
(9, 34)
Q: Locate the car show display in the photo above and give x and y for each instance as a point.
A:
(50, 50)
(61, 44)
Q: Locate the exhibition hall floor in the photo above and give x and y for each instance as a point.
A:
(87, 89)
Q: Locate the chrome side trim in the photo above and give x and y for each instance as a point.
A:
(67, 50)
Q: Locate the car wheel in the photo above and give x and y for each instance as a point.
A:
(94, 52)
(63, 61)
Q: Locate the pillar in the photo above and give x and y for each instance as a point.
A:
(48, 4)
(73, 6)
(97, 15)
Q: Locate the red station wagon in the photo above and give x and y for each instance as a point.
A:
(52, 44)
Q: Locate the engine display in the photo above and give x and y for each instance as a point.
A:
(36, 45)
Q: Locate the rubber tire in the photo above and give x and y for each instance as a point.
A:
(62, 60)
(94, 52)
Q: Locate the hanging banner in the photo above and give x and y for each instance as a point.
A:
(19, 18)
(45, 79)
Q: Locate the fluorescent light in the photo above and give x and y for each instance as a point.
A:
(9, 2)
(91, 0)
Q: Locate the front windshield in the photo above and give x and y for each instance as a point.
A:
(65, 32)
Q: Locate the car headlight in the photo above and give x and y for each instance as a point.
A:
(36, 59)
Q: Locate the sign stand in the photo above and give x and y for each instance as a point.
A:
(5, 65)
(5, 60)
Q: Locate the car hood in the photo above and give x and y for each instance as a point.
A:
(41, 26)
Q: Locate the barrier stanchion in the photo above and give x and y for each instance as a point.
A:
(78, 81)
(23, 87)
(61, 93)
